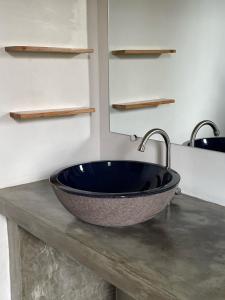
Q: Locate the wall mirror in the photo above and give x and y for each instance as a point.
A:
(167, 67)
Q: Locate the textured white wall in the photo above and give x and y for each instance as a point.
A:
(194, 76)
(32, 150)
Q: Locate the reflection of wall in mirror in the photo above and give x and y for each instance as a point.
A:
(194, 76)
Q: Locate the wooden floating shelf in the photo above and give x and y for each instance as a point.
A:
(142, 104)
(37, 114)
(34, 49)
(144, 52)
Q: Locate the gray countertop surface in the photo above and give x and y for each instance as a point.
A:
(180, 254)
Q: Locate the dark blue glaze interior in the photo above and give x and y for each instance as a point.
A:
(116, 178)
(215, 144)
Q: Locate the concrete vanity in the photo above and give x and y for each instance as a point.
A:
(180, 254)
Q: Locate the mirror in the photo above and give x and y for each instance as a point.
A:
(167, 66)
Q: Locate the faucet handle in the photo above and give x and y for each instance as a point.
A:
(133, 138)
(178, 191)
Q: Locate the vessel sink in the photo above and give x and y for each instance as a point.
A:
(115, 193)
(214, 143)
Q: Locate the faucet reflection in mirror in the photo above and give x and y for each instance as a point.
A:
(216, 143)
(199, 126)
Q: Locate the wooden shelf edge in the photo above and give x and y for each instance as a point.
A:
(142, 104)
(144, 52)
(57, 50)
(49, 113)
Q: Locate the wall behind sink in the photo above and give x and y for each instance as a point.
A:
(32, 150)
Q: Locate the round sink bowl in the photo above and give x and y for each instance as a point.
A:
(115, 193)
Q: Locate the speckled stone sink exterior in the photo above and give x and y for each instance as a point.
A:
(115, 193)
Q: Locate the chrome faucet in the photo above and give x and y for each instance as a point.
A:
(200, 125)
(166, 139)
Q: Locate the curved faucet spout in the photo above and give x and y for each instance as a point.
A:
(199, 126)
(166, 139)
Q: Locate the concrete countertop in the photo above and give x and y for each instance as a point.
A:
(180, 254)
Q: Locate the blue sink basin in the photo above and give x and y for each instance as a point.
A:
(214, 143)
(115, 193)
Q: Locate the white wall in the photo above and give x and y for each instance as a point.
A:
(194, 76)
(202, 172)
(32, 150)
